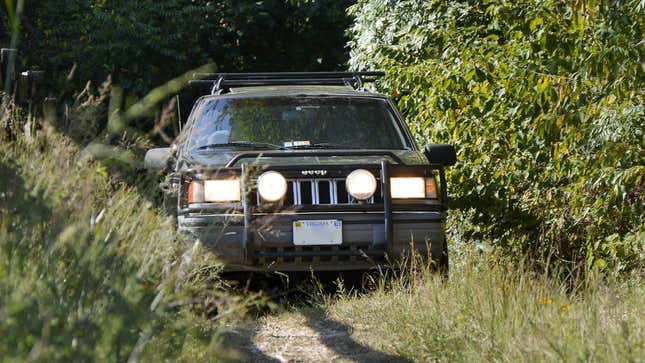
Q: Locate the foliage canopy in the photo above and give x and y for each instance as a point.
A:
(144, 43)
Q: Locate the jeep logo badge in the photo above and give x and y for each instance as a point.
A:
(314, 172)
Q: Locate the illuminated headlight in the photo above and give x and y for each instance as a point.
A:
(219, 190)
(272, 186)
(361, 184)
(412, 187)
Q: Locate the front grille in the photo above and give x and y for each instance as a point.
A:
(322, 191)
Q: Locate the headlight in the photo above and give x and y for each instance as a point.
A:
(272, 186)
(226, 190)
(361, 184)
(412, 187)
(219, 190)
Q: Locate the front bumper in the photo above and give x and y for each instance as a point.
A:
(270, 241)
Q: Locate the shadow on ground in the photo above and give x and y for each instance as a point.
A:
(337, 337)
(297, 329)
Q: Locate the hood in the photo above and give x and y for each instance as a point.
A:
(213, 160)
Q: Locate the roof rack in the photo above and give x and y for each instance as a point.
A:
(224, 81)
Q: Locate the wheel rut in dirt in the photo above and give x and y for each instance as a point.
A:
(304, 332)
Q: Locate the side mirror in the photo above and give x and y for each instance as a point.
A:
(442, 154)
(157, 159)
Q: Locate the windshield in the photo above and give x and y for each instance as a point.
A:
(297, 122)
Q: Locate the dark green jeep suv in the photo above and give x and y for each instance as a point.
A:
(304, 171)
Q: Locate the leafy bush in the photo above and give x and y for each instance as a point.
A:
(544, 100)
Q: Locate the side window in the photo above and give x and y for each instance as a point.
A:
(188, 128)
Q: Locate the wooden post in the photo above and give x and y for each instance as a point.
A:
(36, 92)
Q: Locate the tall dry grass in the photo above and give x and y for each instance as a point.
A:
(90, 270)
(493, 311)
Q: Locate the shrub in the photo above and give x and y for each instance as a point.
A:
(544, 100)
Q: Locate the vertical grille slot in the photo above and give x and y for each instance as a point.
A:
(289, 198)
(306, 192)
(341, 190)
(324, 192)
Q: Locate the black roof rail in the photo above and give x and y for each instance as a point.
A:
(224, 81)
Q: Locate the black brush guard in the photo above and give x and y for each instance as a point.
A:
(385, 170)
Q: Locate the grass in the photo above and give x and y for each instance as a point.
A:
(90, 270)
(489, 311)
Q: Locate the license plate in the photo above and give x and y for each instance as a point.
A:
(317, 232)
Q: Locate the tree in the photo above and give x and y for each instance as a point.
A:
(144, 43)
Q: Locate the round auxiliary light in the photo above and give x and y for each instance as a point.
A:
(361, 184)
(272, 186)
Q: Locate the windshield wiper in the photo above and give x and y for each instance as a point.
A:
(324, 145)
(251, 144)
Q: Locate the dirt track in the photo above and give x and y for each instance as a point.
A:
(307, 337)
